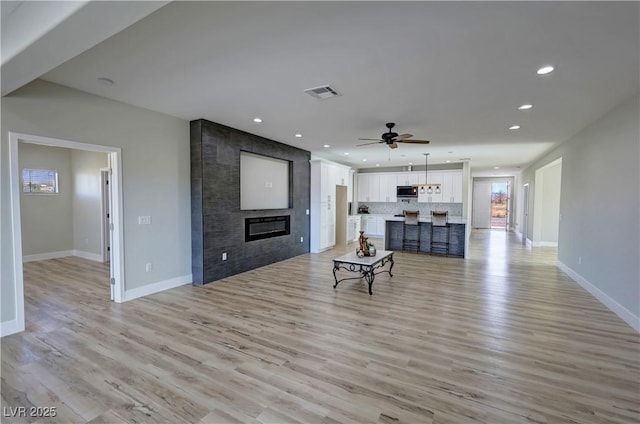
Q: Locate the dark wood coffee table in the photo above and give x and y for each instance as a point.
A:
(366, 266)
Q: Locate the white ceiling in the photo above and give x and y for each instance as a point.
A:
(450, 72)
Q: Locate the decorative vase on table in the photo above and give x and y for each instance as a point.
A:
(363, 249)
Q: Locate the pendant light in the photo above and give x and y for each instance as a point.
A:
(426, 176)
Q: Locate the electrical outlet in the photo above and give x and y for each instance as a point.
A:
(224, 256)
(307, 211)
(301, 239)
(144, 220)
(149, 267)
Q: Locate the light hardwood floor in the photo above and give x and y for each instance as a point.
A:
(501, 337)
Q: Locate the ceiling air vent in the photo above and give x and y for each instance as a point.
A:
(322, 92)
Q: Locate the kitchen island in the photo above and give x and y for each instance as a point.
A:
(393, 238)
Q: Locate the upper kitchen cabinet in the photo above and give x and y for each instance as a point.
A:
(452, 186)
(388, 185)
(442, 187)
(369, 188)
(409, 178)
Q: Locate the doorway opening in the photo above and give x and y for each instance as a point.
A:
(114, 208)
(491, 205)
(499, 205)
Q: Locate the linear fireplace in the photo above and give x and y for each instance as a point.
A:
(266, 227)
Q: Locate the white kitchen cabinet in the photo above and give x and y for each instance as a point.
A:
(409, 178)
(327, 226)
(363, 187)
(452, 186)
(369, 188)
(324, 178)
(388, 185)
(373, 225)
(353, 228)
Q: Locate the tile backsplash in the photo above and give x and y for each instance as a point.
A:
(393, 208)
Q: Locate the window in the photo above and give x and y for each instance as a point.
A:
(42, 181)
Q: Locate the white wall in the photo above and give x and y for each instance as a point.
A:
(46, 218)
(87, 201)
(67, 221)
(599, 234)
(550, 213)
(156, 176)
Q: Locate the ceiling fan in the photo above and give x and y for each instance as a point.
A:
(391, 138)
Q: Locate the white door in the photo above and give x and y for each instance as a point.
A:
(481, 204)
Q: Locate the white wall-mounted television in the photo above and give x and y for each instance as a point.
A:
(264, 182)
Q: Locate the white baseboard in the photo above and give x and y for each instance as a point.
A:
(49, 255)
(545, 244)
(157, 287)
(62, 254)
(624, 314)
(10, 327)
(87, 255)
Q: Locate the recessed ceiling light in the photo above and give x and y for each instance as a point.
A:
(525, 107)
(346, 153)
(545, 70)
(514, 127)
(448, 161)
(257, 120)
(364, 160)
(496, 167)
(298, 135)
(377, 164)
(106, 81)
(326, 145)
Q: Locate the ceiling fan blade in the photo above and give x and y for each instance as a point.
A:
(393, 145)
(415, 141)
(403, 137)
(366, 144)
(369, 139)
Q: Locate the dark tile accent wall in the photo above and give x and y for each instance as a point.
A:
(217, 223)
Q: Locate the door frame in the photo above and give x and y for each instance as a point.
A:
(105, 206)
(525, 213)
(114, 155)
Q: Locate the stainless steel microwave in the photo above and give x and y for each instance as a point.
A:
(406, 191)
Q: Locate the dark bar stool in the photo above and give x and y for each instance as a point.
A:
(411, 231)
(439, 233)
